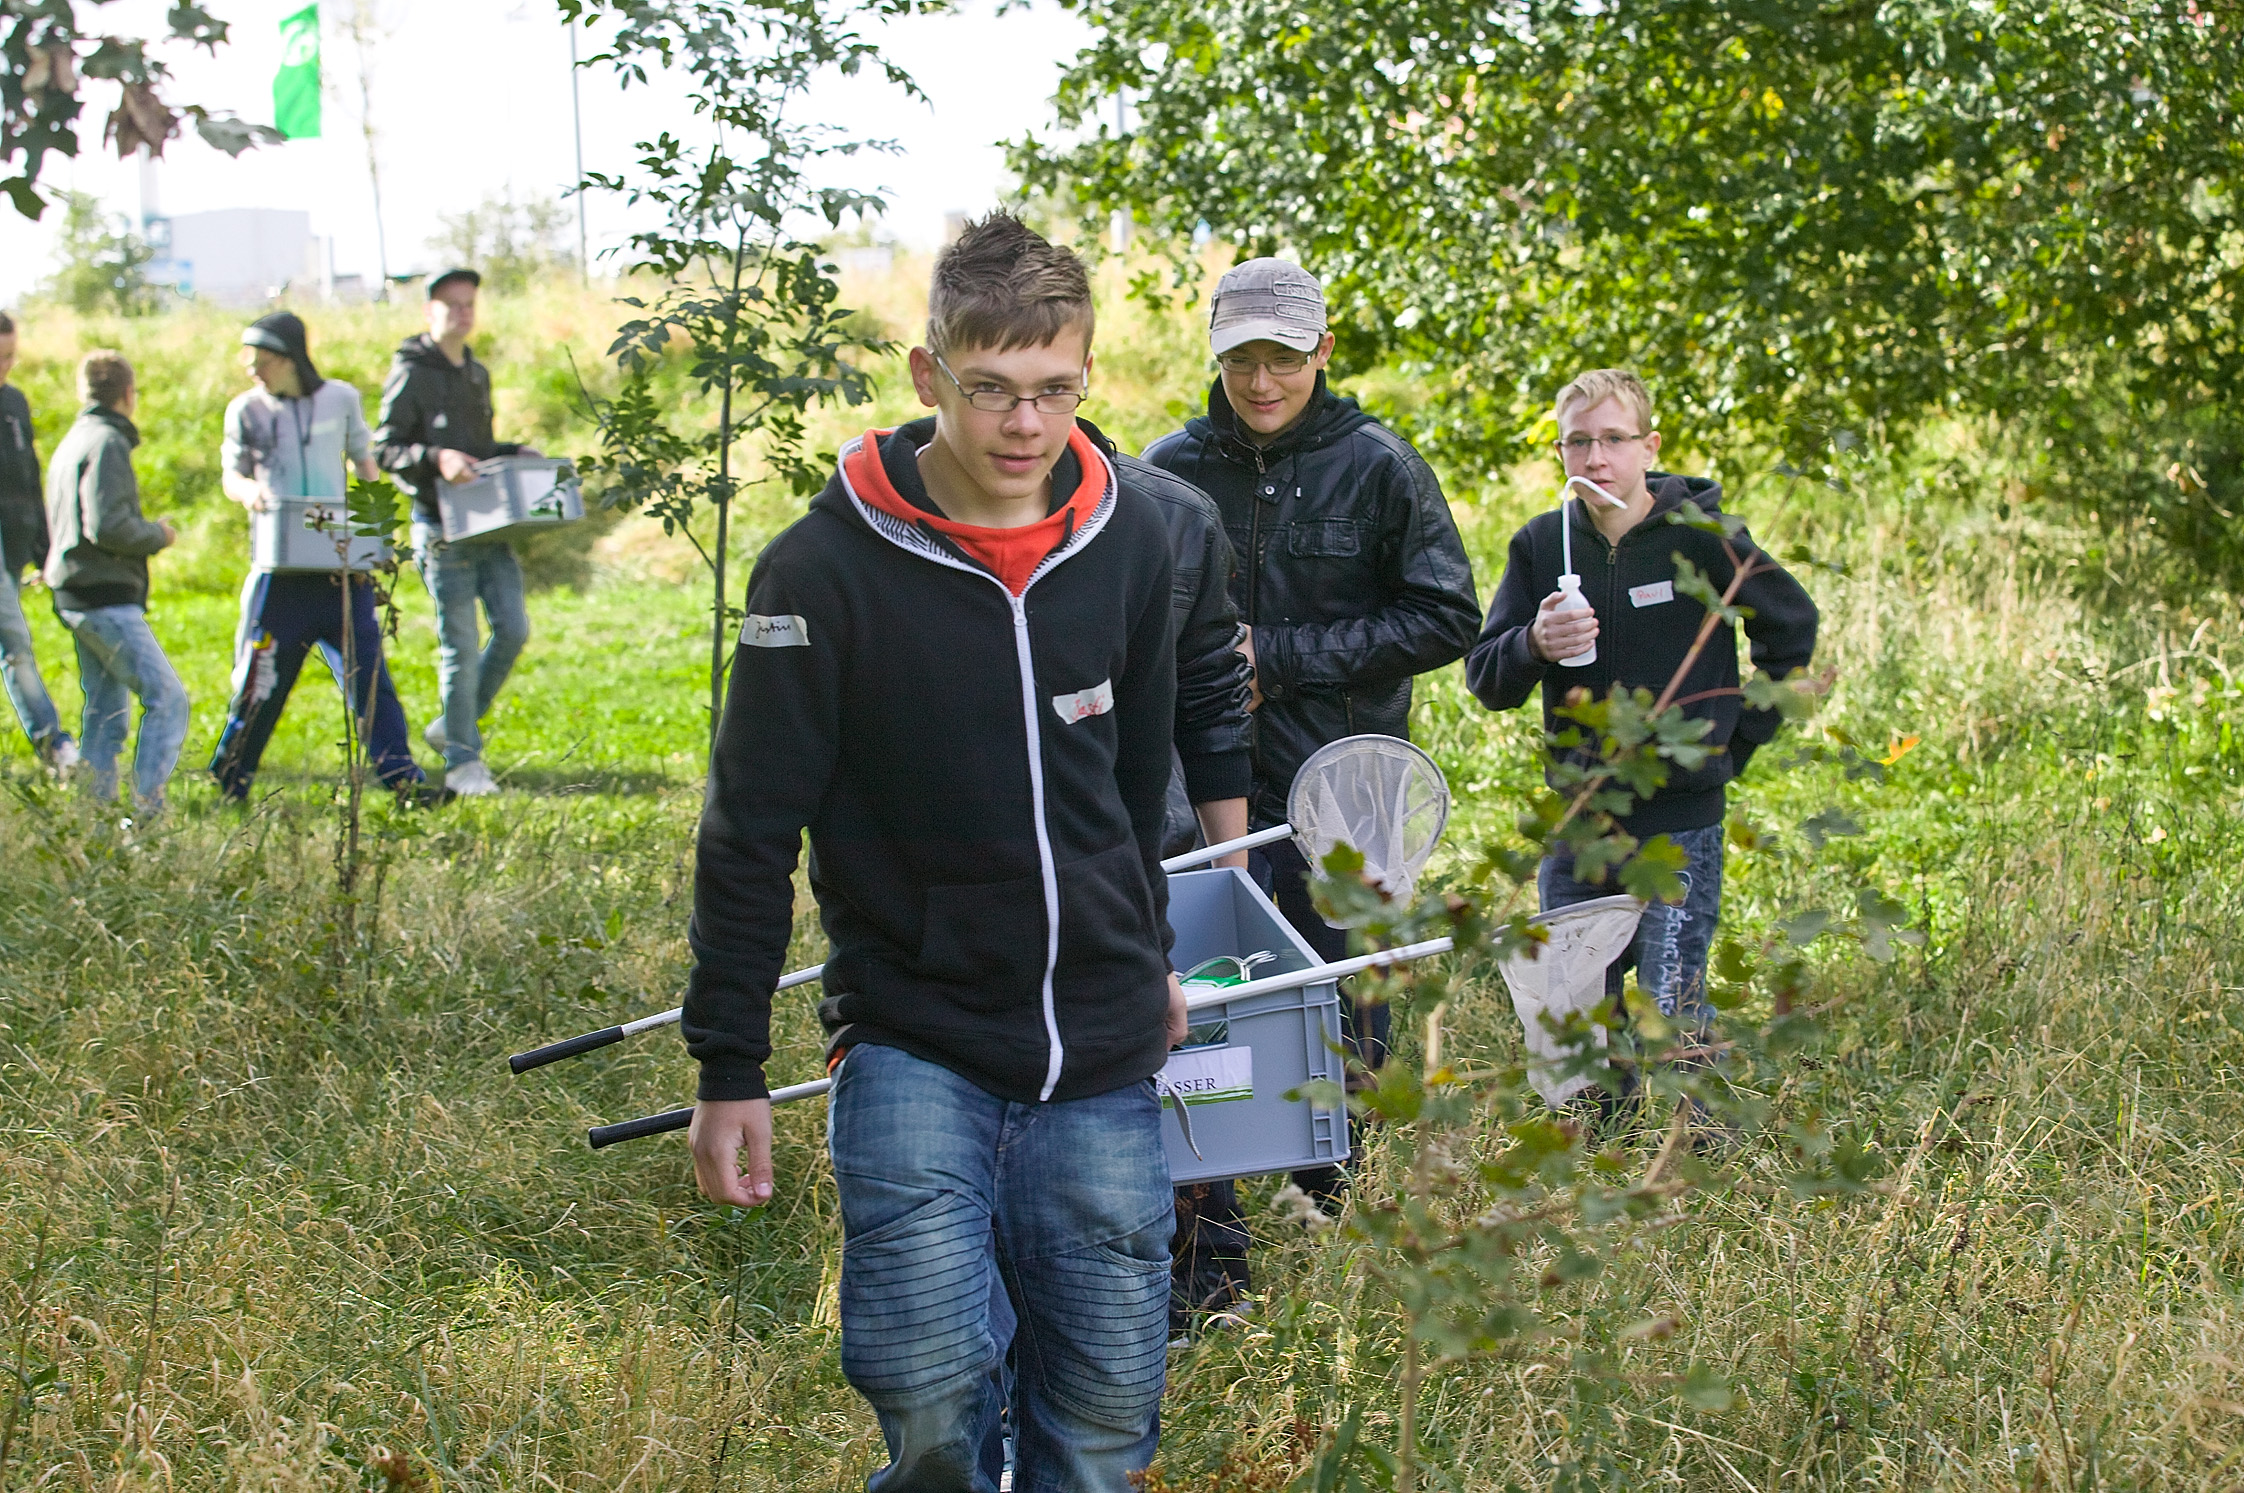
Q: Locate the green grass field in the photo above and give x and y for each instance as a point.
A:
(274, 1219)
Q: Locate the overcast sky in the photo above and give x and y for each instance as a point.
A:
(471, 99)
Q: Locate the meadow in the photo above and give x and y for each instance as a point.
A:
(273, 1216)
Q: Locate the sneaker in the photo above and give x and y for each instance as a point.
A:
(471, 780)
(433, 734)
(61, 755)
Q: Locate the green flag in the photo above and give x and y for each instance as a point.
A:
(296, 85)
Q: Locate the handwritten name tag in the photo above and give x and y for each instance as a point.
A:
(759, 631)
(1652, 595)
(1085, 703)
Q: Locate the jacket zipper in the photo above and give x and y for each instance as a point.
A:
(1056, 1053)
(1613, 589)
(1254, 544)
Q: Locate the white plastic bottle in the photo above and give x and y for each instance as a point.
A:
(1570, 587)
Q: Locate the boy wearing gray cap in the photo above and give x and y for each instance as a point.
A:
(1351, 579)
(291, 436)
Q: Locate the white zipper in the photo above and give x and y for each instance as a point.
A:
(1047, 867)
(1057, 1053)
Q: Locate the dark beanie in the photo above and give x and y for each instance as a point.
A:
(283, 332)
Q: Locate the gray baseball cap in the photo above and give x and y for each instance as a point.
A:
(1273, 299)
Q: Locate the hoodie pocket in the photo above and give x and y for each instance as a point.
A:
(1106, 911)
(987, 940)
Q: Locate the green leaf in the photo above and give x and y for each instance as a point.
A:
(1802, 929)
(1828, 825)
(1704, 1389)
(1655, 872)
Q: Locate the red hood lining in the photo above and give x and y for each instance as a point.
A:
(1012, 555)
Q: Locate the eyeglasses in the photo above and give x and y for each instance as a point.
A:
(1583, 445)
(1279, 363)
(998, 401)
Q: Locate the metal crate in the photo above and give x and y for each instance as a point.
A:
(301, 534)
(1242, 1059)
(510, 492)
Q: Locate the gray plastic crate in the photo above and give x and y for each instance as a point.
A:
(1246, 1056)
(301, 534)
(510, 492)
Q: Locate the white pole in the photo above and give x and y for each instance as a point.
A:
(1338, 969)
(576, 114)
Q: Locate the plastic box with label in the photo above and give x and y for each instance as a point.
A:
(1243, 1058)
(509, 493)
(297, 534)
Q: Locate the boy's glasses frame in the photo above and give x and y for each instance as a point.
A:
(1004, 401)
(1285, 365)
(1583, 445)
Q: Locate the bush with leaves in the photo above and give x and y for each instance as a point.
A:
(1789, 216)
(1507, 1209)
(751, 304)
(100, 263)
(509, 243)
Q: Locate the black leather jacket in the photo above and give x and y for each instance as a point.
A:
(1349, 571)
(1214, 728)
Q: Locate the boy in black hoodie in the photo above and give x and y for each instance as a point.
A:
(435, 428)
(958, 672)
(1624, 548)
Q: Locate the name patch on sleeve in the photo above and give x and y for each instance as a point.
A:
(1085, 703)
(1652, 595)
(759, 631)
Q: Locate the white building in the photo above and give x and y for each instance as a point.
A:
(242, 256)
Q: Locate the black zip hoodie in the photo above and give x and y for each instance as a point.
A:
(428, 404)
(983, 780)
(1645, 627)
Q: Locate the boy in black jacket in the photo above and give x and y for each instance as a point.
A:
(1352, 580)
(435, 428)
(958, 671)
(1642, 628)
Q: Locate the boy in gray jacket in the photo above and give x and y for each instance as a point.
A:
(97, 568)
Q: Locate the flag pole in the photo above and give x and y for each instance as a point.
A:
(361, 24)
(576, 115)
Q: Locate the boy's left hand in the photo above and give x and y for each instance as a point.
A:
(1179, 1022)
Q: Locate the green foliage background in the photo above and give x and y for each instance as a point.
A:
(1793, 216)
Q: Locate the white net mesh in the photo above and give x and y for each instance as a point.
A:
(1566, 977)
(1379, 794)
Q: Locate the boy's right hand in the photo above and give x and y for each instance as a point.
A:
(721, 1130)
(455, 466)
(171, 535)
(1553, 636)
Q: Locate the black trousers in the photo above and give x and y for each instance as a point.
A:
(1208, 1256)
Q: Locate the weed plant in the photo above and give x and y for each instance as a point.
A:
(263, 1229)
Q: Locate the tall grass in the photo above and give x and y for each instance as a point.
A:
(265, 1228)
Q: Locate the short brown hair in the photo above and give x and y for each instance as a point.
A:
(7, 325)
(1003, 285)
(104, 377)
(1601, 384)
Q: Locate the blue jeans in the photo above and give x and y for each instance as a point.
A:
(42, 725)
(118, 657)
(468, 676)
(284, 617)
(1075, 1195)
(1672, 942)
